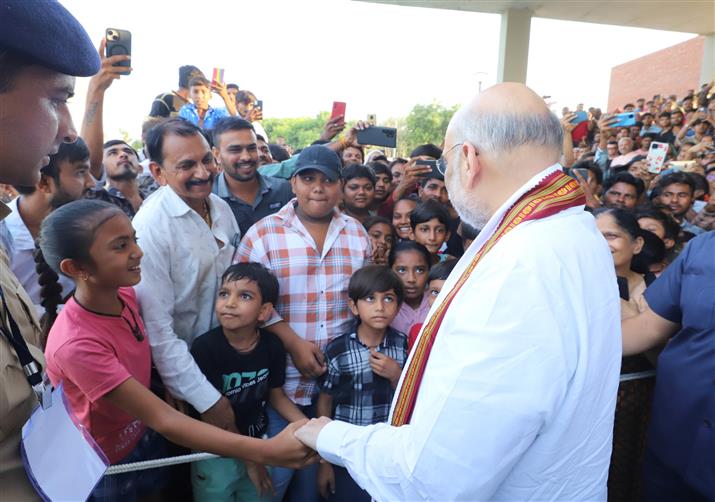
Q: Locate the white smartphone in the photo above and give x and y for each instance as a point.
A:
(656, 157)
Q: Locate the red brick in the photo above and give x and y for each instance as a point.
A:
(673, 70)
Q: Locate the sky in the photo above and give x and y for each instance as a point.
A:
(300, 56)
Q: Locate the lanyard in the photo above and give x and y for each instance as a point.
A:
(33, 371)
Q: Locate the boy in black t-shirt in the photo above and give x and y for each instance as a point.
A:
(247, 365)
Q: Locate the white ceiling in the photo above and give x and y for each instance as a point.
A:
(689, 16)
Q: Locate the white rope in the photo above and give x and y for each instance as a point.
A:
(160, 462)
(195, 457)
(637, 376)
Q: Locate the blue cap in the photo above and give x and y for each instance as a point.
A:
(321, 158)
(46, 32)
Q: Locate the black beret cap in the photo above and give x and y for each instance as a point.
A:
(46, 32)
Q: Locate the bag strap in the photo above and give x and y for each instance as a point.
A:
(32, 369)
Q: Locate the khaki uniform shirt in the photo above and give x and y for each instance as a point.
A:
(17, 399)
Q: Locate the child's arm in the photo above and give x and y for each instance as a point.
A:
(326, 474)
(324, 408)
(386, 367)
(139, 402)
(284, 406)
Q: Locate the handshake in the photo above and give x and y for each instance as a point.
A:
(295, 447)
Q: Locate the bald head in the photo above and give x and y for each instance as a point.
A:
(505, 118)
(509, 97)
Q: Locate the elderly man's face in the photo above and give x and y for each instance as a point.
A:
(625, 145)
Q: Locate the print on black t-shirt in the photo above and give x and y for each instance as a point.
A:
(245, 379)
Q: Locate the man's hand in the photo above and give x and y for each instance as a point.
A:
(591, 199)
(255, 114)
(413, 174)
(258, 474)
(308, 358)
(605, 123)
(332, 128)
(221, 415)
(326, 480)
(285, 450)
(351, 136)
(107, 72)
(177, 404)
(308, 433)
(566, 123)
(385, 366)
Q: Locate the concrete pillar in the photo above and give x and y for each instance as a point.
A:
(707, 66)
(514, 45)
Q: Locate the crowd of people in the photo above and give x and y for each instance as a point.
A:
(215, 289)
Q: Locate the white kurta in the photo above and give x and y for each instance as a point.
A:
(518, 397)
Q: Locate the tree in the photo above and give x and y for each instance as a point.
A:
(298, 132)
(424, 124)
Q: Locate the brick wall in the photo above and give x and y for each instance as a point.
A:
(673, 70)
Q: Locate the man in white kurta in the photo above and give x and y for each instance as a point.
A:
(518, 395)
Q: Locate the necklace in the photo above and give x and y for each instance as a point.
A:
(136, 331)
(207, 214)
(251, 346)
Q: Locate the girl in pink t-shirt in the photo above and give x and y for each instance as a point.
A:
(98, 348)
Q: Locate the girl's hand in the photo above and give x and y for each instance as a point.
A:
(284, 450)
(258, 474)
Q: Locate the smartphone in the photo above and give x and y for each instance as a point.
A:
(218, 75)
(580, 117)
(119, 42)
(259, 104)
(624, 120)
(338, 109)
(432, 164)
(378, 136)
(656, 157)
(372, 119)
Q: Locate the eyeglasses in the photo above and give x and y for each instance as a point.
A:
(442, 161)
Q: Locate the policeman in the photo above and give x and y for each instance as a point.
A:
(42, 48)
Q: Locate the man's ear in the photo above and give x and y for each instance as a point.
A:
(473, 169)
(46, 185)
(217, 159)
(157, 172)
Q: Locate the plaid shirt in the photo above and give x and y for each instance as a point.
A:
(313, 287)
(360, 396)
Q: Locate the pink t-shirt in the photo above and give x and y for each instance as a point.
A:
(407, 316)
(93, 354)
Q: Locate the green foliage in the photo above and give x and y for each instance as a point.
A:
(298, 132)
(424, 124)
(134, 143)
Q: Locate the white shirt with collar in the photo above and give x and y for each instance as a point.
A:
(518, 396)
(20, 248)
(181, 269)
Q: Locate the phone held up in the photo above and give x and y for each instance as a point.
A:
(378, 136)
(338, 110)
(119, 42)
(656, 157)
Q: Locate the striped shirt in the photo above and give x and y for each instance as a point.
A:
(313, 286)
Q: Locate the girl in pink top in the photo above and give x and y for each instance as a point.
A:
(411, 262)
(98, 348)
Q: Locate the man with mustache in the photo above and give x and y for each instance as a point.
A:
(250, 195)
(188, 237)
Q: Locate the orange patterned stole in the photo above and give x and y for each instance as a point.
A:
(553, 194)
